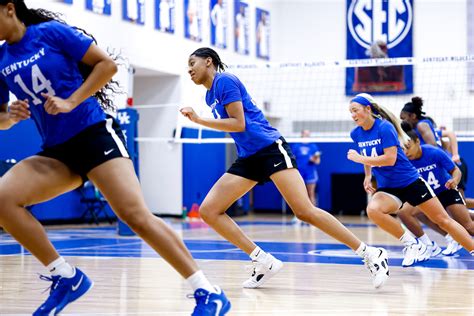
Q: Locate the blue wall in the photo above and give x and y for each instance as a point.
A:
(203, 165)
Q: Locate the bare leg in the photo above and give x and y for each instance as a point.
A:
(311, 188)
(425, 220)
(225, 192)
(31, 181)
(291, 185)
(118, 183)
(407, 215)
(378, 210)
(461, 215)
(435, 212)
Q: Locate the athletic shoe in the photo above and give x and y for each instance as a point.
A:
(63, 291)
(210, 304)
(414, 253)
(262, 271)
(376, 260)
(434, 249)
(453, 246)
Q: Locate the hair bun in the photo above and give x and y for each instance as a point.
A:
(417, 101)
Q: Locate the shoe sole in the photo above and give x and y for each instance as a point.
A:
(275, 269)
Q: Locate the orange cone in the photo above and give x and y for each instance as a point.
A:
(194, 211)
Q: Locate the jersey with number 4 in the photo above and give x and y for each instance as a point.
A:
(227, 88)
(372, 143)
(46, 60)
(435, 166)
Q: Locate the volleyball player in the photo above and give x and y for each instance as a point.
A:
(60, 78)
(262, 155)
(379, 137)
(440, 172)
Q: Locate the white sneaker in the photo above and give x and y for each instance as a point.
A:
(262, 271)
(376, 260)
(434, 249)
(414, 253)
(453, 246)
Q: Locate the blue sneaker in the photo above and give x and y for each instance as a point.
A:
(63, 291)
(211, 304)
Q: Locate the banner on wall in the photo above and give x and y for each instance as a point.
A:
(193, 20)
(218, 17)
(165, 15)
(241, 22)
(263, 33)
(379, 29)
(470, 42)
(99, 6)
(134, 11)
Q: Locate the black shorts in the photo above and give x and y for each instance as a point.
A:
(450, 197)
(90, 148)
(415, 193)
(265, 162)
(464, 171)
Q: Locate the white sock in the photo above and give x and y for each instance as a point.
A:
(426, 240)
(448, 238)
(472, 253)
(61, 267)
(258, 254)
(362, 250)
(199, 281)
(407, 239)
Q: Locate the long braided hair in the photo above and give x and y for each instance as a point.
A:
(36, 16)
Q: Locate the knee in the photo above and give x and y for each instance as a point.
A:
(443, 222)
(372, 211)
(208, 213)
(304, 213)
(136, 219)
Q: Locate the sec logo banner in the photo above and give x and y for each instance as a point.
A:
(386, 20)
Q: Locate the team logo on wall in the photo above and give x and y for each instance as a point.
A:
(99, 6)
(386, 20)
(379, 29)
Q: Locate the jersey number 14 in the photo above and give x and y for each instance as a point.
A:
(39, 84)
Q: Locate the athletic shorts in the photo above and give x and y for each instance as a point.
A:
(450, 197)
(265, 162)
(310, 175)
(90, 148)
(415, 193)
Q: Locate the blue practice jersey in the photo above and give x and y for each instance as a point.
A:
(227, 88)
(303, 152)
(433, 130)
(435, 166)
(372, 143)
(46, 60)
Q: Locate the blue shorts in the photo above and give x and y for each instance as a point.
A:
(310, 175)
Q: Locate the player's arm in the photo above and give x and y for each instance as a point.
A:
(426, 133)
(388, 158)
(368, 180)
(19, 110)
(234, 123)
(453, 144)
(456, 175)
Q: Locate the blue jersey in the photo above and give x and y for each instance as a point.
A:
(303, 152)
(46, 60)
(227, 88)
(372, 143)
(432, 128)
(435, 166)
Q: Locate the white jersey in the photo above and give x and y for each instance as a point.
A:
(240, 21)
(263, 31)
(193, 16)
(218, 19)
(98, 6)
(165, 22)
(132, 9)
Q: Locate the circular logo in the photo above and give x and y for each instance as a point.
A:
(373, 20)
